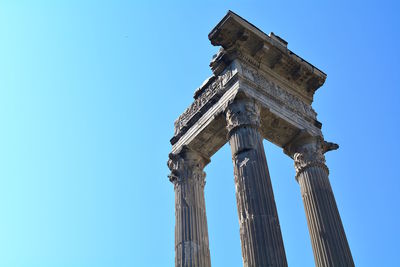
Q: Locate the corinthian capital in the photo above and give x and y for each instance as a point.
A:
(308, 151)
(187, 165)
(242, 112)
(308, 157)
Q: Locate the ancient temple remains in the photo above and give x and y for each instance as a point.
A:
(259, 89)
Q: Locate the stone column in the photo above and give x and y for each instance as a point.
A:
(260, 232)
(191, 233)
(328, 238)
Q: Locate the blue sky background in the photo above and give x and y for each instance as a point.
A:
(89, 91)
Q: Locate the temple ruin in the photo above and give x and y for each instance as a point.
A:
(259, 90)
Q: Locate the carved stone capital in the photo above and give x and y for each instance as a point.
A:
(241, 113)
(308, 156)
(186, 166)
(308, 151)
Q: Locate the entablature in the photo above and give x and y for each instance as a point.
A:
(202, 127)
(240, 39)
(253, 65)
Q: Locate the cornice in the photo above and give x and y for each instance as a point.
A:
(238, 36)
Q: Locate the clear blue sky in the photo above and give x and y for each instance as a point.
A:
(89, 91)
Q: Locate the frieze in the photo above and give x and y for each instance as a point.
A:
(202, 102)
(280, 95)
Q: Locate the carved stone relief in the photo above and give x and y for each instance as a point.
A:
(280, 95)
(203, 101)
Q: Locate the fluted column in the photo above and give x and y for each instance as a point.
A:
(191, 233)
(328, 238)
(260, 232)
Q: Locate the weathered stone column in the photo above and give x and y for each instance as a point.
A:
(260, 232)
(328, 238)
(191, 233)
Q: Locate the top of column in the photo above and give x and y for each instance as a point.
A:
(239, 38)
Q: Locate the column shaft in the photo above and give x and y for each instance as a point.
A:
(327, 234)
(260, 233)
(191, 233)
